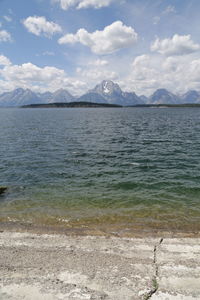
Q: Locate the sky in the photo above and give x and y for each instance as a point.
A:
(142, 45)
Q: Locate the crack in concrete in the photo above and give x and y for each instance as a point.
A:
(155, 285)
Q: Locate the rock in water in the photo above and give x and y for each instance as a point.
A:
(2, 189)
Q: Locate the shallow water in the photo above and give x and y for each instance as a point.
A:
(125, 167)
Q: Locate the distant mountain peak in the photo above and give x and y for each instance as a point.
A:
(192, 92)
(113, 94)
(22, 96)
(191, 96)
(163, 96)
(106, 87)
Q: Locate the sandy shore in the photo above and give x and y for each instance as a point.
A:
(54, 266)
(102, 229)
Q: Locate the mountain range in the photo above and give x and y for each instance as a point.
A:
(105, 92)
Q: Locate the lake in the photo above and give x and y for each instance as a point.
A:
(114, 169)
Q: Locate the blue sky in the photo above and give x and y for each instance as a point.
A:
(74, 44)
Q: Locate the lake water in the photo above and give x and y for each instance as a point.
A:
(119, 168)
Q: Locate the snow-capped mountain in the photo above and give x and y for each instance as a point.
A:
(105, 92)
(113, 94)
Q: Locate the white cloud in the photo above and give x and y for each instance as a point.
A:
(177, 74)
(36, 78)
(141, 60)
(40, 26)
(177, 45)
(30, 72)
(94, 75)
(5, 36)
(79, 4)
(169, 9)
(99, 62)
(6, 86)
(45, 53)
(94, 71)
(48, 53)
(7, 18)
(156, 20)
(4, 61)
(114, 37)
(144, 74)
(171, 64)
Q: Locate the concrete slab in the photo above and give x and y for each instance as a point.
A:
(178, 262)
(34, 267)
(62, 267)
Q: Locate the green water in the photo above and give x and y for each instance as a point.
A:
(125, 168)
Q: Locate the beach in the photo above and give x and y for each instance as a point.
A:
(62, 266)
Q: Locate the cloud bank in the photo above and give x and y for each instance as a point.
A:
(38, 79)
